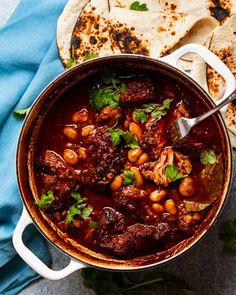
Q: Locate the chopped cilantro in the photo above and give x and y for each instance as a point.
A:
(118, 136)
(109, 93)
(140, 115)
(172, 172)
(129, 177)
(156, 110)
(139, 7)
(72, 61)
(79, 208)
(93, 224)
(20, 114)
(208, 157)
(46, 200)
(90, 56)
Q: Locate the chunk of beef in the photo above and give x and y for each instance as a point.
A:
(108, 159)
(181, 110)
(154, 138)
(109, 116)
(136, 240)
(139, 90)
(156, 171)
(128, 197)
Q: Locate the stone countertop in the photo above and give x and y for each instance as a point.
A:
(207, 268)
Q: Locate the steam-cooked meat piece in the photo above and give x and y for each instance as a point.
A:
(128, 197)
(108, 159)
(138, 239)
(111, 221)
(139, 90)
(109, 116)
(156, 171)
(154, 139)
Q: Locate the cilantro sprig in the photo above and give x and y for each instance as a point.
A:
(72, 61)
(88, 56)
(119, 136)
(109, 92)
(172, 172)
(80, 208)
(137, 6)
(208, 157)
(154, 109)
(46, 200)
(20, 114)
(129, 177)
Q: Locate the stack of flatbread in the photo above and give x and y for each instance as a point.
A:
(153, 28)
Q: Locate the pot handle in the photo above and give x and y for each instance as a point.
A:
(210, 58)
(32, 260)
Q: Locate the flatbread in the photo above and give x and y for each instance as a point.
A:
(223, 44)
(156, 34)
(91, 33)
(231, 118)
(65, 26)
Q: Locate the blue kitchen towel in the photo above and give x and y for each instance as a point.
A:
(28, 62)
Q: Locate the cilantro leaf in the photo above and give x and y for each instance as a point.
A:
(93, 224)
(139, 7)
(79, 208)
(101, 97)
(72, 61)
(46, 200)
(228, 234)
(88, 56)
(129, 177)
(108, 76)
(20, 114)
(86, 212)
(172, 172)
(157, 110)
(166, 103)
(208, 157)
(140, 115)
(118, 135)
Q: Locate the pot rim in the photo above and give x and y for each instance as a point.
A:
(227, 181)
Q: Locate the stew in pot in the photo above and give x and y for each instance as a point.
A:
(107, 173)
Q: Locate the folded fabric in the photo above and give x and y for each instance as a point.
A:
(28, 62)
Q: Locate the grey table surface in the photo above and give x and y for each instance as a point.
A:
(207, 268)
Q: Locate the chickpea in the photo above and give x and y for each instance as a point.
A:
(136, 130)
(116, 183)
(70, 157)
(134, 154)
(126, 124)
(142, 159)
(186, 187)
(69, 145)
(71, 133)
(196, 217)
(138, 176)
(158, 208)
(170, 207)
(157, 195)
(87, 130)
(188, 218)
(81, 116)
(82, 154)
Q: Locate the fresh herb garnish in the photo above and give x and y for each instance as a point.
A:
(119, 136)
(93, 224)
(228, 234)
(208, 157)
(109, 94)
(20, 114)
(88, 56)
(172, 172)
(118, 283)
(157, 110)
(129, 177)
(140, 115)
(72, 61)
(46, 200)
(79, 208)
(137, 6)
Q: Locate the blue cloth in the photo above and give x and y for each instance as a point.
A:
(28, 62)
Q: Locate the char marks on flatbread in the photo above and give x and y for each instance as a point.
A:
(90, 35)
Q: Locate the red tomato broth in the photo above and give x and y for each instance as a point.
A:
(51, 137)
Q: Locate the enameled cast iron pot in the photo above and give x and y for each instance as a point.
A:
(83, 257)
